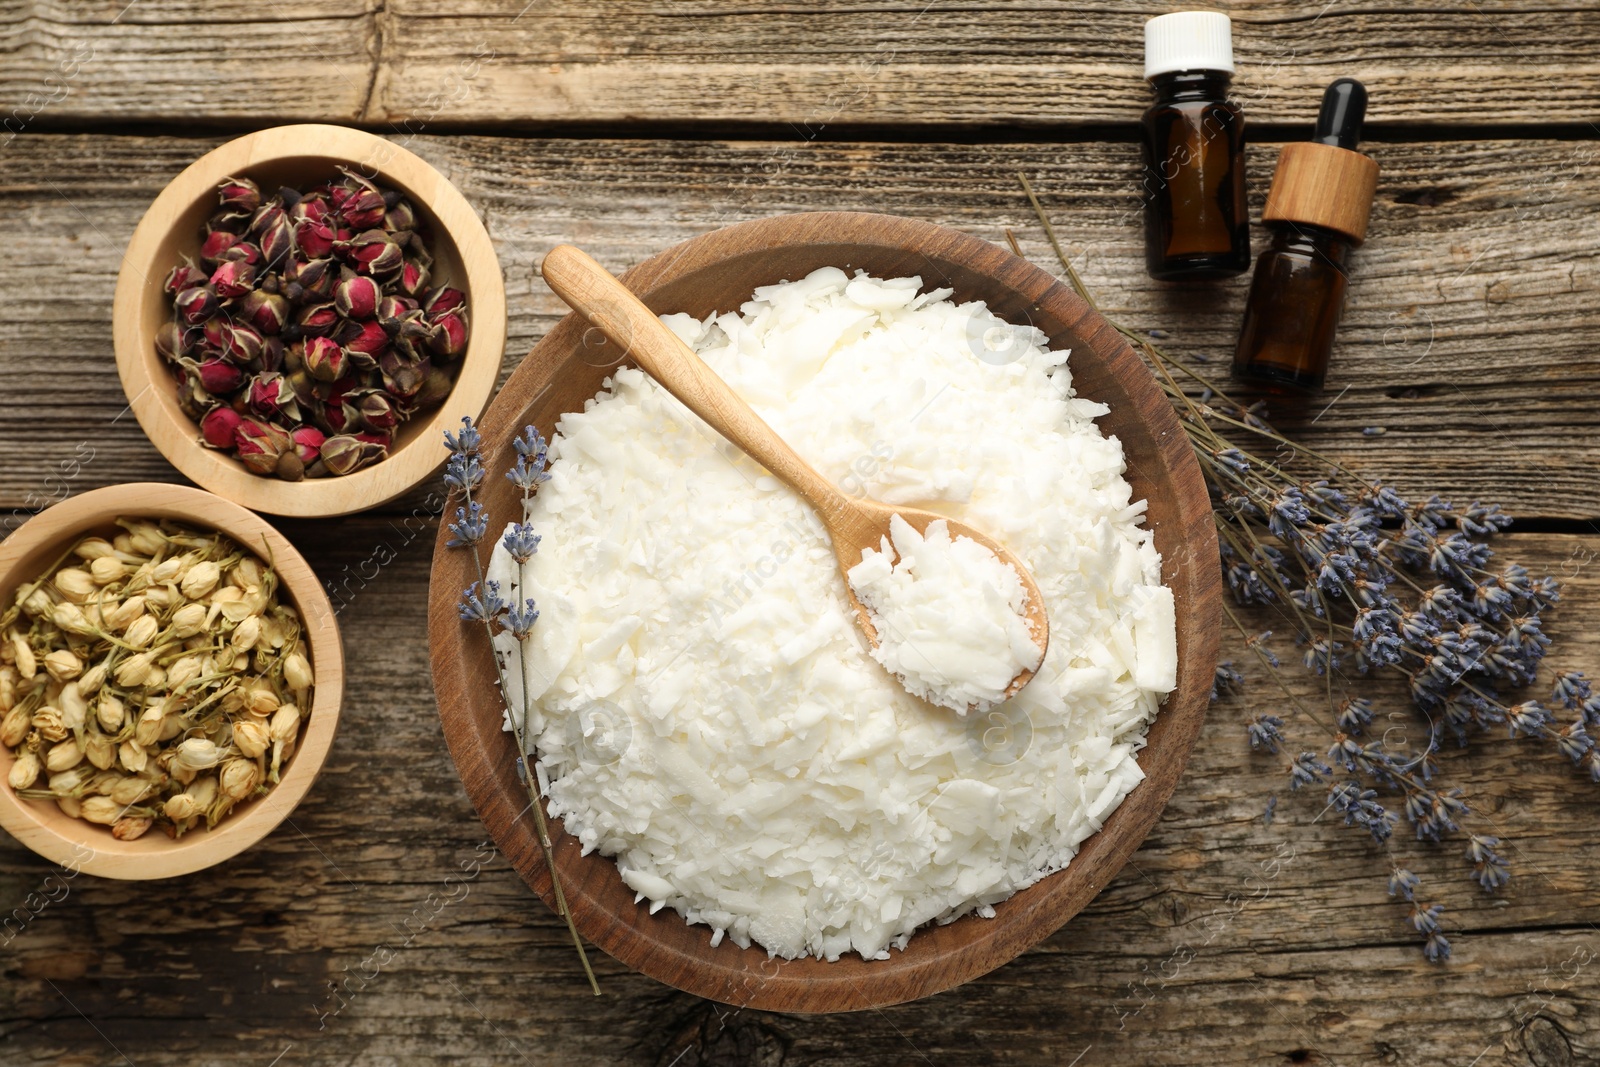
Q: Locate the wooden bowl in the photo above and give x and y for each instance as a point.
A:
(298, 156)
(81, 846)
(718, 272)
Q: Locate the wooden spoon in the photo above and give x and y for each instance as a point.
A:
(853, 523)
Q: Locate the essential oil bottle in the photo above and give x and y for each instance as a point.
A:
(1317, 210)
(1196, 220)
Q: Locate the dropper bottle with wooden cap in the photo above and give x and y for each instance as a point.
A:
(1317, 209)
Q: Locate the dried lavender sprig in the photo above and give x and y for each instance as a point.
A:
(481, 602)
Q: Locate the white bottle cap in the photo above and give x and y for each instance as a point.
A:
(1188, 40)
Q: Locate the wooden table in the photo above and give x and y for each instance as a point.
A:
(1467, 366)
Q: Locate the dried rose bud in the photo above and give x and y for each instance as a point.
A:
(403, 378)
(240, 343)
(372, 252)
(220, 377)
(317, 278)
(364, 210)
(345, 454)
(449, 337)
(216, 243)
(325, 360)
(339, 417)
(277, 239)
(307, 443)
(272, 396)
(233, 278)
(240, 194)
(393, 311)
(259, 445)
(171, 340)
(413, 278)
(243, 252)
(357, 297)
(266, 215)
(371, 340)
(317, 320)
(314, 239)
(442, 300)
(196, 304)
(377, 412)
(183, 276)
(303, 384)
(267, 312)
(400, 216)
(271, 357)
(435, 387)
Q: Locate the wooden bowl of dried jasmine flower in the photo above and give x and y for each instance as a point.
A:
(170, 681)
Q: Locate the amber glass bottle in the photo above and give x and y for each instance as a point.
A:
(1196, 221)
(1317, 210)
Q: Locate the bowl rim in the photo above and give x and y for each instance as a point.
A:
(143, 372)
(96, 851)
(947, 955)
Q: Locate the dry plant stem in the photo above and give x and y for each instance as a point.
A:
(531, 780)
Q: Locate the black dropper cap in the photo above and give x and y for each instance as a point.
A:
(1344, 106)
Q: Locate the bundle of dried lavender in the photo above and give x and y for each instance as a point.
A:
(1372, 583)
(481, 603)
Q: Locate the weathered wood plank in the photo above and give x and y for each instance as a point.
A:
(856, 62)
(1467, 338)
(1226, 941)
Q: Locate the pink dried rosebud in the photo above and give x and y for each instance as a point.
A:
(316, 278)
(183, 276)
(271, 395)
(214, 333)
(370, 341)
(393, 312)
(233, 278)
(242, 252)
(218, 426)
(277, 239)
(196, 304)
(344, 454)
(364, 210)
(216, 243)
(357, 297)
(449, 337)
(239, 194)
(271, 357)
(240, 343)
(372, 252)
(259, 445)
(314, 239)
(313, 208)
(377, 412)
(413, 278)
(219, 377)
(339, 417)
(317, 320)
(324, 359)
(307, 443)
(400, 217)
(267, 214)
(443, 300)
(172, 340)
(267, 312)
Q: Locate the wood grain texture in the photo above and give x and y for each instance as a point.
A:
(1053, 63)
(699, 276)
(379, 926)
(299, 156)
(1467, 338)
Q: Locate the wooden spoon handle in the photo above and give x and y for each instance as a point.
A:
(591, 291)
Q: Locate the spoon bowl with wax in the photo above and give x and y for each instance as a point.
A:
(954, 614)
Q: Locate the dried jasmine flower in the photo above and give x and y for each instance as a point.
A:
(137, 670)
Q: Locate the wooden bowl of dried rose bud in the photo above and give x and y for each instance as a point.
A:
(301, 312)
(170, 680)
